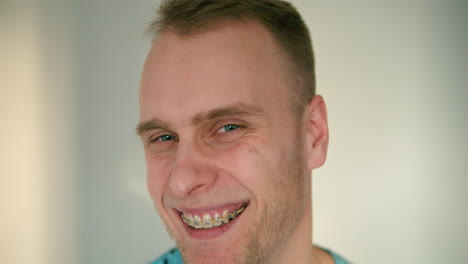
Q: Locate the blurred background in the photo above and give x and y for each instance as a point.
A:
(72, 174)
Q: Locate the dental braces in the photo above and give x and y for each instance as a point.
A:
(217, 221)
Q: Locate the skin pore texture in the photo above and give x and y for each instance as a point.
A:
(218, 132)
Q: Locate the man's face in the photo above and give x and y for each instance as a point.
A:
(226, 168)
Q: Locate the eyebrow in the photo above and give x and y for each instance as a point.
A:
(151, 124)
(239, 109)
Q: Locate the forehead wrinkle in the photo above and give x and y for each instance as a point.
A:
(239, 109)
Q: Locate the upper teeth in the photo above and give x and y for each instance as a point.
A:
(209, 222)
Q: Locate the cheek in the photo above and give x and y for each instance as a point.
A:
(155, 179)
(253, 166)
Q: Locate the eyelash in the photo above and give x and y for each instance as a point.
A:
(160, 137)
(236, 127)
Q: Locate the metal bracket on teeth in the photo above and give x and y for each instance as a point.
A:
(219, 220)
(236, 213)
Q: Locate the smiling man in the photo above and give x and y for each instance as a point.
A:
(232, 129)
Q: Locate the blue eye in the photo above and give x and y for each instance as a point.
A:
(166, 138)
(228, 128)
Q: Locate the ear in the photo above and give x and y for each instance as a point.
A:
(316, 124)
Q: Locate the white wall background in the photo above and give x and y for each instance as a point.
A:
(394, 74)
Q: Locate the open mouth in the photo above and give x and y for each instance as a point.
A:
(212, 219)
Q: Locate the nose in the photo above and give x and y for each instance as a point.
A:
(192, 171)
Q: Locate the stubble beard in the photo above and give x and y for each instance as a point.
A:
(281, 218)
(275, 226)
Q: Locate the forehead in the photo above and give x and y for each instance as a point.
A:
(235, 64)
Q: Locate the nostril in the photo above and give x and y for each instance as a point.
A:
(188, 178)
(196, 189)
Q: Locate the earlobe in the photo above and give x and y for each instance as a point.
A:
(317, 132)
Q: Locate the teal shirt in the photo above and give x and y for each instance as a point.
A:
(173, 257)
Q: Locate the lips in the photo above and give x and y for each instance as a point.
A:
(211, 222)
